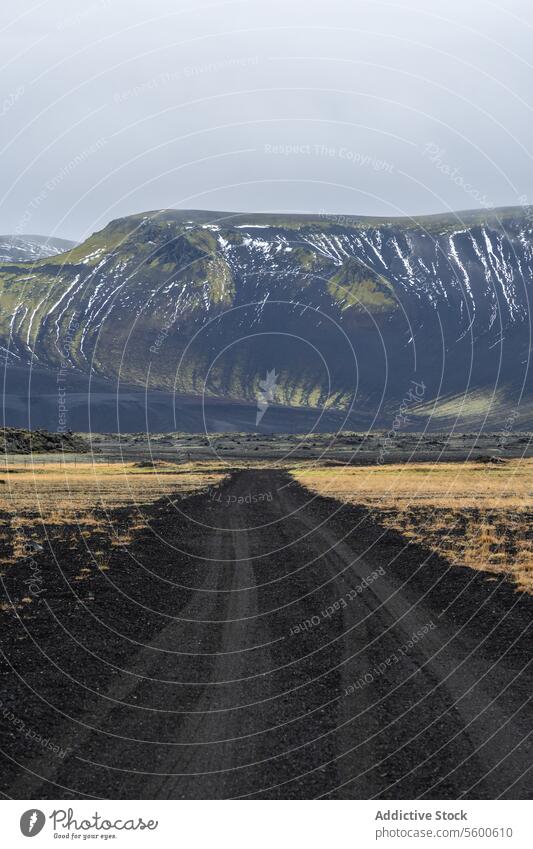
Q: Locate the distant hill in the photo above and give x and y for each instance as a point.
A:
(28, 248)
(346, 314)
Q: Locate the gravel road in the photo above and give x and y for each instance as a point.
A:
(258, 642)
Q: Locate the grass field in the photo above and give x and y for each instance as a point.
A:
(476, 514)
(56, 498)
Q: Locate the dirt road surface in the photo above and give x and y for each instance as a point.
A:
(256, 642)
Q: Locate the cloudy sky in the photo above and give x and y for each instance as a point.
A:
(110, 107)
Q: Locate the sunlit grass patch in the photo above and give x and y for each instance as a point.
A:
(74, 501)
(476, 514)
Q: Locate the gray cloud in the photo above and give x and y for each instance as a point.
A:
(380, 108)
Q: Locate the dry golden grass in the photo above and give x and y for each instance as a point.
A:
(56, 490)
(58, 494)
(476, 514)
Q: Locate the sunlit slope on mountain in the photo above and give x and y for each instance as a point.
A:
(346, 311)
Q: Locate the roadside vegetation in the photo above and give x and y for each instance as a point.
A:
(77, 498)
(476, 514)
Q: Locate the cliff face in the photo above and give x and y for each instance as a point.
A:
(347, 313)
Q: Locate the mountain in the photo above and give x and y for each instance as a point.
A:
(29, 248)
(399, 323)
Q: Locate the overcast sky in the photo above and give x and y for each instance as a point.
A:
(109, 107)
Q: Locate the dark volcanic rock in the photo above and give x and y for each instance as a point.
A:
(20, 441)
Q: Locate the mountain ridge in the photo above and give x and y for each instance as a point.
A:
(347, 310)
(27, 248)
